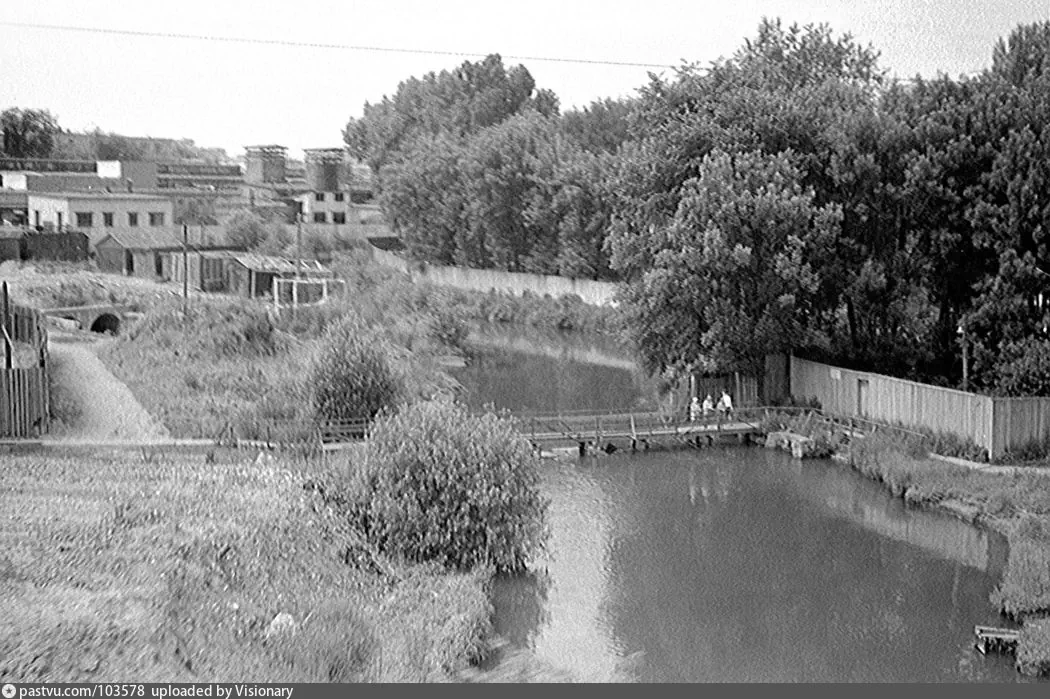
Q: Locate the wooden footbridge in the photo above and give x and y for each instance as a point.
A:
(612, 431)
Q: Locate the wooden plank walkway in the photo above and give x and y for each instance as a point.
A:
(641, 430)
(991, 638)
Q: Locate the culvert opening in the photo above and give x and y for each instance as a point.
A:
(106, 323)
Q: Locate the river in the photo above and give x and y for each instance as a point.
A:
(729, 563)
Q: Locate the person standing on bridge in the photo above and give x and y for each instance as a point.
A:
(694, 409)
(725, 404)
(709, 405)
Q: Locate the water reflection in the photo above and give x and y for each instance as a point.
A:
(733, 564)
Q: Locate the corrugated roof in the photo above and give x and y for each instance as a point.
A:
(280, 265)
(99, 194)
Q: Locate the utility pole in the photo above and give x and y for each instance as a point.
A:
(185, 271)
(298, 263)
(298, 246)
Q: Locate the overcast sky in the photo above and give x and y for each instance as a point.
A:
(231, 94)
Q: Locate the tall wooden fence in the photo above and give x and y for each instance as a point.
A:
(25, 400)
(1018, 422)
(999, 425)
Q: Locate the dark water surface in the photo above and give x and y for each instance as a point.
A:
(731, 564)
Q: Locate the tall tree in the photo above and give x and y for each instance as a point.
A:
(28, 133)
(1024, 56)
(461, 102)
(424, 195)
(600, 127)
(500, 170)
(735, 272)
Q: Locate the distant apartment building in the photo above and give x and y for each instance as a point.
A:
(328, 198)
(196, 188)
(324, 207)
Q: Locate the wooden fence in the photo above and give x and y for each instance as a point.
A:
(999, 425)
(1018, 422)
(25, 392)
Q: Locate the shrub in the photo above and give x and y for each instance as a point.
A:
(351, 378)
(442, 485)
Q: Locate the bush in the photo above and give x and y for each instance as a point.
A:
(442, 485)
(351, 378)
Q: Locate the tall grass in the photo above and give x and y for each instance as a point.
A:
(225, 365)
(173, 569)
(1033, 647)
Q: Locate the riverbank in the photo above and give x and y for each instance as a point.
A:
(160, 566)
(1014, 502)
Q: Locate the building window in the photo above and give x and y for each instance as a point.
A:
(84, 219)
(133, 219)
(319, 196)
(319, 217)
(338, 217)
(107, 219)
(339, 196)
(156, 218)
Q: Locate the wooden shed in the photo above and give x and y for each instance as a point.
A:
(135, 252)
(252, 275)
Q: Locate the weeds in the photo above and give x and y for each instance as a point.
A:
(1033, 647)
(1025, 588)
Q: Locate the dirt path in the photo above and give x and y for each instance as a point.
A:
(108, 410)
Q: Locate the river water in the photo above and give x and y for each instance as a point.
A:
(729, 563)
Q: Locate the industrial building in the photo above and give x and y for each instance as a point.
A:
(97, 213)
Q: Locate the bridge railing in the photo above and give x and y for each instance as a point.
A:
(268, 432)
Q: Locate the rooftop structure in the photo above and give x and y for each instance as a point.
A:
(265, 164)
(325, 169)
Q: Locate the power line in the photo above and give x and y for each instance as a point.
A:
(321, 45)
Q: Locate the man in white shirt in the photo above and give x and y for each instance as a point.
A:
(725, 404)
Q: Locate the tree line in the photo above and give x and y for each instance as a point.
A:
(36, 133)
(789, 197)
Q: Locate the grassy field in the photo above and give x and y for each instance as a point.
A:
(160, 567)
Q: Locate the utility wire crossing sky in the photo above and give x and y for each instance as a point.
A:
(240, 72)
